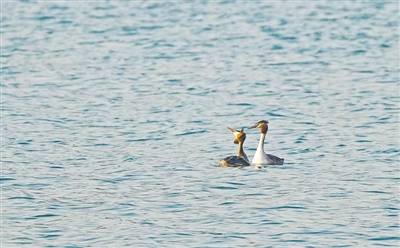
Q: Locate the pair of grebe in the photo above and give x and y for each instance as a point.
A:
(260, 157)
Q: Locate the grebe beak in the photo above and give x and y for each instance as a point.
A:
(231, 129)
(254, 126)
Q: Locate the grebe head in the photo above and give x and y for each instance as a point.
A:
(262, 125)
(239, 135)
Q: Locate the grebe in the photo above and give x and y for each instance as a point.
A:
(241, 159)
(261, 158)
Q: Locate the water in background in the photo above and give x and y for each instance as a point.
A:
(114, 117)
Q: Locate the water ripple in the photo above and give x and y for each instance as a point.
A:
(114, 117)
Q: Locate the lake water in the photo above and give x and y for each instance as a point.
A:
(114, 117)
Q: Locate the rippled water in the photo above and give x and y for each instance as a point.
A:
(114, 117)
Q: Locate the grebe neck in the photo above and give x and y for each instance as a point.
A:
(261, 142)
(241, 152)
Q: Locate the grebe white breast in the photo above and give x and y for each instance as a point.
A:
(240, 160)
(260, 157)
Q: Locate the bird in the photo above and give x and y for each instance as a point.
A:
(260, 157)
(240, 160)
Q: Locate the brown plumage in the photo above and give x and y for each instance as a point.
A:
(240, 159)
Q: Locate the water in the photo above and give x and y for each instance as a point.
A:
(114, 117)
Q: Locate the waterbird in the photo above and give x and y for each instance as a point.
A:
(240, 160)
(260, 157)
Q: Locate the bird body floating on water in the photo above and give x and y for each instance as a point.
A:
(239, 160)
(260, 157)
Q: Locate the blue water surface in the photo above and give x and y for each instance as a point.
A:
(114, 116)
